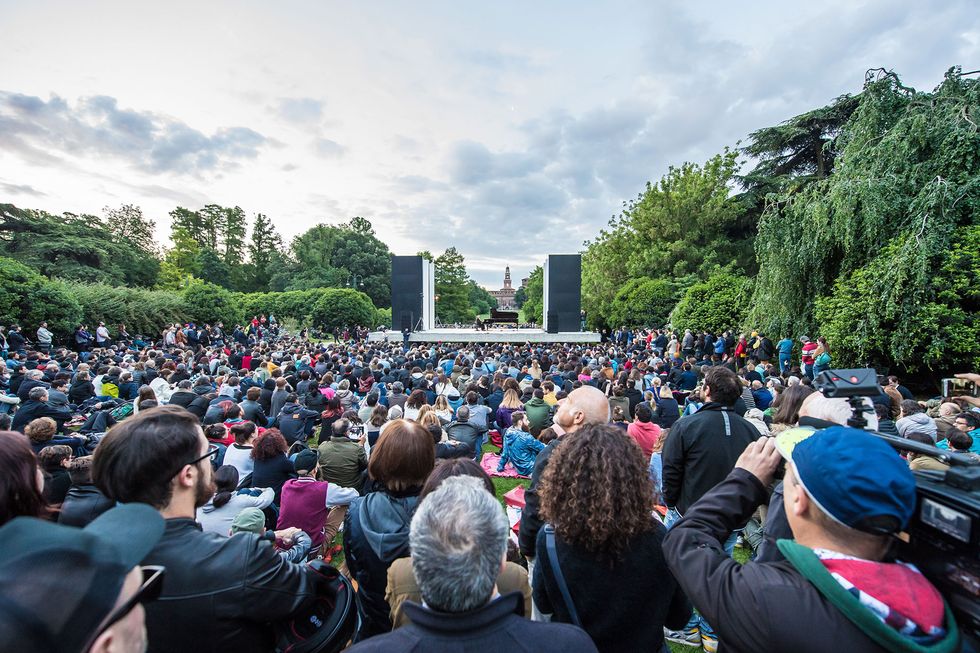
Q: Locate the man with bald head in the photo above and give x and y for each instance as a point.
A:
(585, 405)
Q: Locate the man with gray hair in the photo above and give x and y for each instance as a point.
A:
(37, 406)
(459, 545)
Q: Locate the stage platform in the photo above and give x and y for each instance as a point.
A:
(490, 335)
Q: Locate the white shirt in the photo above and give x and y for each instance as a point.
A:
(101, 334)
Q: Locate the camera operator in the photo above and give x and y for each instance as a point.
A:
(845, 493)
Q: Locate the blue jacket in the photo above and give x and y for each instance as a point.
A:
(520, 449)
(785, 347)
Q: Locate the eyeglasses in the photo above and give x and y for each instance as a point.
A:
(212, 453)
(148, 591)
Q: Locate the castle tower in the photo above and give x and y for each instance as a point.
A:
(507, 277)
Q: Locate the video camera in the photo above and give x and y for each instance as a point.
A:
(943, 537)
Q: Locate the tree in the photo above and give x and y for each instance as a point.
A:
(684, 226)
(342, 307)
(520, 296)
(481, 301)
(717, 304)
(213, 269)
(264, 252)
(534, 305)
(643, 302)
(452, 292)
(129, 227)
(182, 262)
(862, 253)
(27, 298)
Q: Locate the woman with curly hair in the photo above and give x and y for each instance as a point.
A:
(272, 466)
(597, 498)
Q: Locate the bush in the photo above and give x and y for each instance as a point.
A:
(144, 312)
(643, 302)
(207, 303)
(717, 304)
(342, 307)
(28, 298)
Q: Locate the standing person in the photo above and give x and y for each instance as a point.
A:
(821, 357)
(44, 338)
(102, 336)
(701, 451)
(376, 529)
(785, 349)
(807, 355)
(847, 495)
(223, 592)
(606, 545)
(585, 405)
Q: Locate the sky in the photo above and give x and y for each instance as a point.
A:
(510, 130)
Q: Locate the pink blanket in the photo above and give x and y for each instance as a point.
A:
(489, 464)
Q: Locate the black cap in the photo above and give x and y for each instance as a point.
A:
(58, 583)
(305, 461)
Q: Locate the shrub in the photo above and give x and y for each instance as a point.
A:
(340, 307)
(207, 303)
(28, 298)
(719, 303)
(144, 312)
(643, 302)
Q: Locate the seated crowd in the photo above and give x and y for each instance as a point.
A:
(179, 495)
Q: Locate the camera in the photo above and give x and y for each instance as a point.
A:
(943, 537)
(960, 388)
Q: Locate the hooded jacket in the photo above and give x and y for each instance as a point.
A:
(917, 423)
(375, 535)
(295, 422)
(538, 413)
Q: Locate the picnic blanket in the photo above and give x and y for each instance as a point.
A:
(489, 464)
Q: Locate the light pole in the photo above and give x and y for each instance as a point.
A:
(355, 281)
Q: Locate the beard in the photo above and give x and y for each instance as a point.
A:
(204, 490)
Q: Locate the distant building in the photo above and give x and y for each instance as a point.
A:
(505, 296)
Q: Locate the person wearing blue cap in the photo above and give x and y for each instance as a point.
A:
(846, 494)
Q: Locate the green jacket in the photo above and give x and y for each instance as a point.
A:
(342, 461)
(538, 413)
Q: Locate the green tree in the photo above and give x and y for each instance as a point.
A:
(208, 303)
(481, 301)
(27, 298)
(643, 302)
(716, 304)
(264, 253)
(128, 226)
(520, 296)
(452, 291)
(534, 305)
(342, 307)
(907, 179)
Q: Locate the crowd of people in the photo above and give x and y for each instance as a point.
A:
(177, 493)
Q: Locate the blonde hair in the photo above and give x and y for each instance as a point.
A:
(442, 403)
(511, 400)
(665, 392)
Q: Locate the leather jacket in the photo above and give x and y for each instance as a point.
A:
(83, 503)
(221, 593)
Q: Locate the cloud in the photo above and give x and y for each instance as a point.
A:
(302, 110)
(20, 189)
(42, 132)
(327, 148)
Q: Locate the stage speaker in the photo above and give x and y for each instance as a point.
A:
(406, 291)
(552, 322)
(563, 293)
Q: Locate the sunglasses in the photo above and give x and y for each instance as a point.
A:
(148, 591)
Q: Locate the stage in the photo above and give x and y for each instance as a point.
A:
(490, 335)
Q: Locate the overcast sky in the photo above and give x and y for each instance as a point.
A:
(509, 129)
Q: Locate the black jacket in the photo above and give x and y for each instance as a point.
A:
(31, 410)
(83, 504)
(24, 391)
(80, 391)
(701, 450)
(221, 593)
(295, 422)
(623, 607)
(531, 515)
(498, 626)
(182, 398)
(755, 606)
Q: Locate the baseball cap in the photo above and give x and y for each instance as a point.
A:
(249, 520)
(305, 461)
(58, 583)
(853, 476)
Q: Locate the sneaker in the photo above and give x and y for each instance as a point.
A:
(687, 637)
(709, 642)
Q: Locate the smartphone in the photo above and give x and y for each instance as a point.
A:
(960, 388)
(355, 432)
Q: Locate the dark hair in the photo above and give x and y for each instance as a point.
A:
(603, 523)
(20, 495)
(455, 467)
(959, 440)
(790, 402)
(138, 458)
(269, 445)
(416, 399)
(80, 470)
(242, 431)
(643, 413)
(51, 458)
(379, 415)
(911, 407)
(215, 432)
(883, 412)
(226, 482)
(724, 384)
(971, 419)
(403, 457)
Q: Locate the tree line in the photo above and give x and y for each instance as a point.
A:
(857, 221)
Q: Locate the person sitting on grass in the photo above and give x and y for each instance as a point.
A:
(520, 447)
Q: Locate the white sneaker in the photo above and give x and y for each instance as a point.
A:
(686, 637)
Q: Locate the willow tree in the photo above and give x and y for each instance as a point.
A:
(881, 233)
